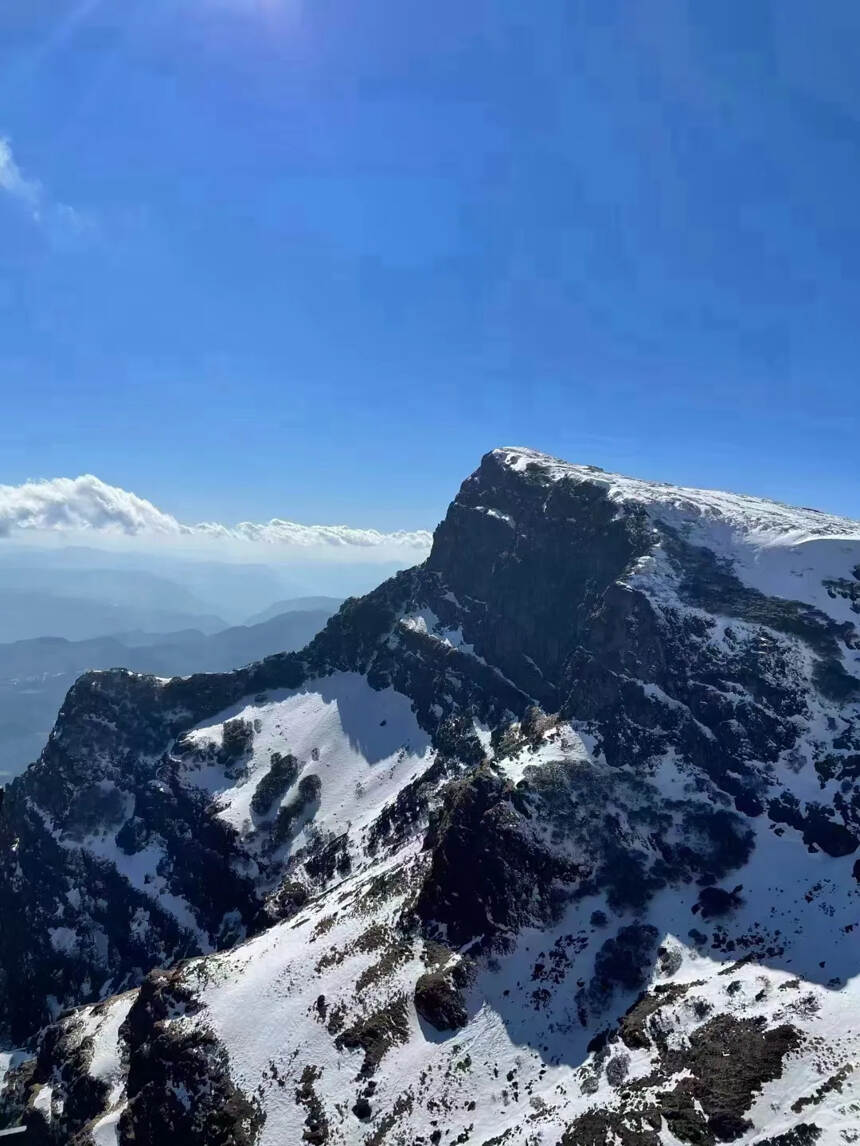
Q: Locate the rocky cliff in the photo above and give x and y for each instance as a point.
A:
(553, 838)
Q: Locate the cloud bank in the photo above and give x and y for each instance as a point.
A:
(88, 505)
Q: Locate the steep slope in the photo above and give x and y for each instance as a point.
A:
(551, 839)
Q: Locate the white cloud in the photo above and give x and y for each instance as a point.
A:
(88, 505)
(27, 191)
(59, 220)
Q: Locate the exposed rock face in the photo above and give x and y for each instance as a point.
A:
(549, 839)
(103, 779)
(486, 876)
(179, 1087)
(534, 559)
(439, 998)
(727, 1062)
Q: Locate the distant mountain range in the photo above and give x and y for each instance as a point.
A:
(36, 674)
(79, 592)
(26, 615)
(294, 605)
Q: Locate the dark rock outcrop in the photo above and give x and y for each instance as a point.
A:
(179, 1087)
(439, 999)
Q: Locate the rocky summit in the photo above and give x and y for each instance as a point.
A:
(551, 839)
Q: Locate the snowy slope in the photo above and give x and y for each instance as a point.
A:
(521, 1068)
(781, 550)
(711, 514)
(362, 744)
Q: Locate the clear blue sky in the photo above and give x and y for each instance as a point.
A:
(311, 258)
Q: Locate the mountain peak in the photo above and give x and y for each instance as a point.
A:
(767, 520)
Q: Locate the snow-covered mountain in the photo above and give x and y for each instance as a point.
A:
(551, 839)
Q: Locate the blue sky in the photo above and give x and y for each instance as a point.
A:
(311, 258)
